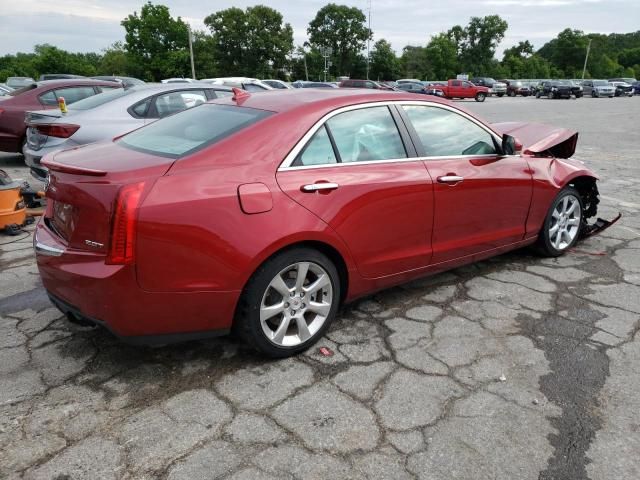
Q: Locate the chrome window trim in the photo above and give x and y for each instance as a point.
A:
(285, 165)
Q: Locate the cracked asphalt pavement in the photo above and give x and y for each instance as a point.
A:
(518, 367)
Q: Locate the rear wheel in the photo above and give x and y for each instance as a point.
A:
(480, 97)
(289, 302)
(562, 224)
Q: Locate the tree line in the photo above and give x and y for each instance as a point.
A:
(256, 42)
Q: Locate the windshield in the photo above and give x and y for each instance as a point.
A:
(191, 130)
(600, 83)
(100, 99)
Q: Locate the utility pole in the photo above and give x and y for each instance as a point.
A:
(586, 58)
(306, 72)
(193, 68)
(369, 42)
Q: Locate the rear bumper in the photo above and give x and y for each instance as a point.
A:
(79, 283)
(32, 160)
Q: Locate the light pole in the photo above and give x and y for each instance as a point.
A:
(369, 42)
(586, 58)
(193, 68)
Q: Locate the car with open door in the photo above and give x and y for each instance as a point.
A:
(265, 213)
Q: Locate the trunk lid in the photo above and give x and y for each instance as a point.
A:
(541, 140)
(83, 186)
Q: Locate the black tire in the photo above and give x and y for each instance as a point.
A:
(512, 93)
(537, 94)
(500, 94)
(247, 324)
(544, 245)
(550, 96)
(480, 97)
(594, 94)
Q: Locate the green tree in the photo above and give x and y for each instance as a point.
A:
(413, 63)
(441, 56)
(567, 52)
(479, 40)
(114, 60)
(344, 30)
(252, 42)
(156, 43)
(384, 64)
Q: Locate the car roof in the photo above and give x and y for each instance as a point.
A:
(328, 99)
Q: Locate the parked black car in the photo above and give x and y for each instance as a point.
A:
(412, 87)
(554, 89)
(576, 89)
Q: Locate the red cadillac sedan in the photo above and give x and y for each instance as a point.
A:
(264, 212)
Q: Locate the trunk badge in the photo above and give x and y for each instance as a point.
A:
(93, 244)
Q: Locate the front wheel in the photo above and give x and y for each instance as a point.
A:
(500, 95)
(550, 96)
(537, 94)
(289, 302)
(562, 224)
(480, 97)
(512, 93)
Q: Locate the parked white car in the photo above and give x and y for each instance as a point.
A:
(178, 80)
(245, 83)
(278, 84)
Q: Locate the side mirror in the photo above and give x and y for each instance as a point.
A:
(510, 146)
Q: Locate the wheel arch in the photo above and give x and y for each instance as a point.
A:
(331, 251)
(587, 187)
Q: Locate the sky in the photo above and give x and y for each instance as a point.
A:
(92, 25)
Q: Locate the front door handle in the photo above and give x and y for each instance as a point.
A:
(450, 179)
(315, 187)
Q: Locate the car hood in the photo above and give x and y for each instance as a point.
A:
(541, 140)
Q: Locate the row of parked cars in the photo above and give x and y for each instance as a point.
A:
(105, 107)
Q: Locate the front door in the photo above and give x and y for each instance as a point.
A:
(355, 174)
(482, 198)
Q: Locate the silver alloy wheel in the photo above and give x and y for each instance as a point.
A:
(296, 304)
(565, 222)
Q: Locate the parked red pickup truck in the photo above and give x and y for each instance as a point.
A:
(462, 89)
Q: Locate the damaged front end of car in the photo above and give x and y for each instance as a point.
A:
(559, 144)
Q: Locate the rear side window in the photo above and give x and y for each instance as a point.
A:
(192, 130)
(48, 98)
(318, 151)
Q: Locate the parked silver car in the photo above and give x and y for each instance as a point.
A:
(598, 88)
(108, 115)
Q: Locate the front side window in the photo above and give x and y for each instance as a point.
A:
(366, 134)
(446, 133)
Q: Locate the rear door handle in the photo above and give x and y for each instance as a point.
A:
(315, 187)
(450, 179)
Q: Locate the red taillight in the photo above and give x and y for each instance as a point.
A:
(123, 227)
(57, 130)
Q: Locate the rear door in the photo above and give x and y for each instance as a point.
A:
(357, 171)
(482, 198)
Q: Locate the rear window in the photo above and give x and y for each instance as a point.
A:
(100, 99)
(191, 130)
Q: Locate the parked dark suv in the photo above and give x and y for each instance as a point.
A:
(554, 89)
